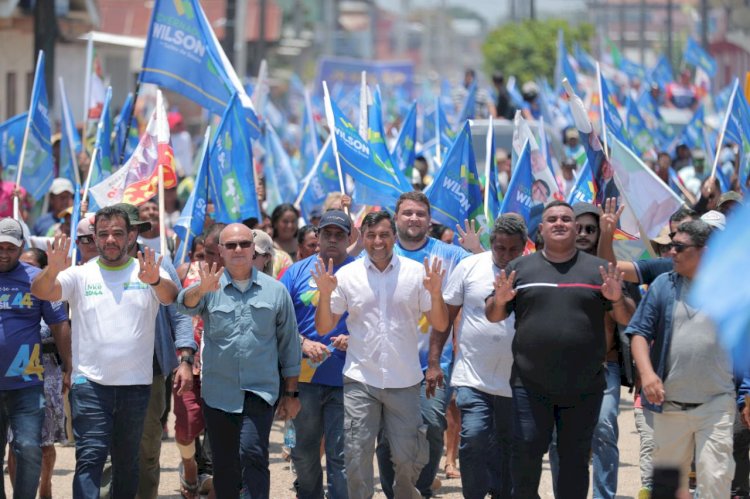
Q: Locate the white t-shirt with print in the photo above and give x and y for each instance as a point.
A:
(484, 355)
(113, 322)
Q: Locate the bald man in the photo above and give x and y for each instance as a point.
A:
(250, 336)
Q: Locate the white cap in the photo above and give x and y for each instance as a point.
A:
(715, 219)
(60, 185)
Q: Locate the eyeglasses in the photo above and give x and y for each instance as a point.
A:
(232, 245)
(257, 255)
(589, 229)
(680, 247)
(85, 239)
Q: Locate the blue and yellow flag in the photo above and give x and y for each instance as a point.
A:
(493, 195)
(524, 196)
(611, 119)
(468, 109)
(38, 165)
(130, 142)
(378, 148)
(583, 191)
(455, 194)
(322, 179)
(661, 73)
(103, 164)
(281, 182)
(70, 142)
(642, 137)
(737, 123)
(695, 55)
(183, 54)
(231, 177)
(11, 138)
(404, 150)
(193, 215)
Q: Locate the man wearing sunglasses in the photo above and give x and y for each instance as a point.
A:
(686, 376)
(249, 337)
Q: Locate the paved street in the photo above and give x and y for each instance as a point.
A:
(282, 478)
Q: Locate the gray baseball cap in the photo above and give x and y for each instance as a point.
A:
(11, 232)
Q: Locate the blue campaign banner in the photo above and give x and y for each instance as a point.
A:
(11, 138)
(183, 54)
(395, 78)
(193, 215)
(696, 56)
(404, 150)
(231, 176)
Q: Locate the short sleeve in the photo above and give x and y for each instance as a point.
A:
(54, 312)
(68, 280)
(453, 293)
(338, 300)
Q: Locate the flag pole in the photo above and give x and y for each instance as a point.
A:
(130, 120)
(308, 178)
(724, 123)
(332, 125)
(601, 112)
(438, 135)
(87, 85)
(487, 166)
(22, 157)
(66, 123)
(363, 125)
(88, 175)
(162, 232)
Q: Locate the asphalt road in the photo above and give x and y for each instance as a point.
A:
(282, 477)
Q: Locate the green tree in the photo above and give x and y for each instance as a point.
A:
(528, 50)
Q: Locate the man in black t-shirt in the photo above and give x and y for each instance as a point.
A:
(560, 296)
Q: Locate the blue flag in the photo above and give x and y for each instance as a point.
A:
(281, 183)
(230, 173)
(11, 138)
(378, 148)
(310, 144)
(493, 195)
(737, 120)
(193, 215)
(322, 179)
(76, 215)
(642, 136)
(183, 54)
(583, 191)
(585, 60)
(70, 142)
(102, 164)
(380, 185)
(130, 142)
(696, 56)
(455, 194)
(722, 98)
(720, 288)
(404, 150)
(437, 120)
(38, 165)
(470, 104)
(661, 73)
(632, 69)
(692, 134)
(520, 197)
(611, 119)
(563, 68)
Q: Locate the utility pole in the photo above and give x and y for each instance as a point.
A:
(642, 29)
(240, 40)
(532, 9)
(45, 35)
(670, 48)
(229, 37)
(704, 24)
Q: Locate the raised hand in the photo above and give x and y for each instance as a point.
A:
(433, 278)
(149, 266)
(612, 282)
(609, 216)
(469, 238)
(324, 278)
(503, 285)
(57, 253)
(209, 276)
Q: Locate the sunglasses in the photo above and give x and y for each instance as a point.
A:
(588, 229)
(680, 247)
(231, 246)
(86, 240)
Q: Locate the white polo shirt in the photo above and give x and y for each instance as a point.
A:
(384, 311)
(113, 322)
(484, 357)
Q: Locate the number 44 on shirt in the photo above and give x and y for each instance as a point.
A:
(25, 365)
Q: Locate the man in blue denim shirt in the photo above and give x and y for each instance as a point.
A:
(686, 376)
(250, 334)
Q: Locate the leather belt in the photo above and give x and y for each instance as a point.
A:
(684, 406)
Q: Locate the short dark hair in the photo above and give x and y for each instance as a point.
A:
(555, 203)
(437, 231)
(212, 234)
(416, 196)
(110, 212)
(38, 255)
(682, 213)
(510, 224)
(698, 230)
(279, 211)
(196, 241)
(375, 217)
(303, 231)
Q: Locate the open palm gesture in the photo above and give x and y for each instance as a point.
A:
(503, 286)
(324, 278)
(57, 253)
(149, 266)
(612, 282)
(433, 275)
(209, 276)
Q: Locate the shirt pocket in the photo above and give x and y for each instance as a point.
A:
(262, 318)
(221, 320)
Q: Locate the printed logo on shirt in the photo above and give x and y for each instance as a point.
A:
(26, 363)
(9, 301)
(134, 286)
(93, 290)
(310, 297)
(311, 283)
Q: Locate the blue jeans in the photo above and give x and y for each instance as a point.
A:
(322, 414)
(606, 456)
(239, 447)
(23, 410)
(485, 448)
(433, 415)
(107, 420)
(534, 417)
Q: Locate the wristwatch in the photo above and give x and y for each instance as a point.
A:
(189, 358)
(293, 395)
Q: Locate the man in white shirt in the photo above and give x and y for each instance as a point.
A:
(481, 372)
(385, 296)
(114, 301)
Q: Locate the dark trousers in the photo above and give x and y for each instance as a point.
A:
(534, 417)
(239, 447)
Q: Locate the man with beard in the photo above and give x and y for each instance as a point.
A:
(114, 301)
(560, 296)
(321, 381)
(412, 228)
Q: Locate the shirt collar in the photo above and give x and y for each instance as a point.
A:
(394, 263)
(227, 280)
